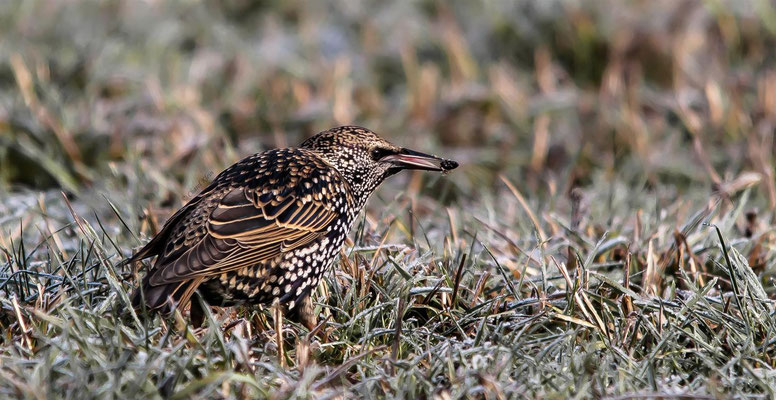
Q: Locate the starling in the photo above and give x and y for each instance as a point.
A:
(267, 227)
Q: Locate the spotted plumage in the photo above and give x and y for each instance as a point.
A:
(267, 227)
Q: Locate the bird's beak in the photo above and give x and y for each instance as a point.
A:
(411, 159)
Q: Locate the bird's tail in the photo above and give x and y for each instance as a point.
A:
(163, 298)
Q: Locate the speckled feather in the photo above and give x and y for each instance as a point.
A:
(267, 227)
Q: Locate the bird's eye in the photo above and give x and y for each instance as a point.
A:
(378, 153)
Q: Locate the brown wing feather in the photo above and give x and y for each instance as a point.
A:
(240, 232)
(157, 245)
(247, 237)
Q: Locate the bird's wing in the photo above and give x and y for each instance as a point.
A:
(240, 226)
(156, 245)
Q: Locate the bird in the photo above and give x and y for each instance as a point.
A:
(266, 229)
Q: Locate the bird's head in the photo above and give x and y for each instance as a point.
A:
(365, 159)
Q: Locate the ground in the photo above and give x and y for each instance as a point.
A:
(610, 232)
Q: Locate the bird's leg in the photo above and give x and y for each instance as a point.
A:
(304, 313)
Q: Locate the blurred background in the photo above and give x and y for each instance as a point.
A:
(548, 93)
(638, 104)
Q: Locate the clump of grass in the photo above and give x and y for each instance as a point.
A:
(609, 234)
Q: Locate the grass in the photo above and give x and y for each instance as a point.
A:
(610, 232)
